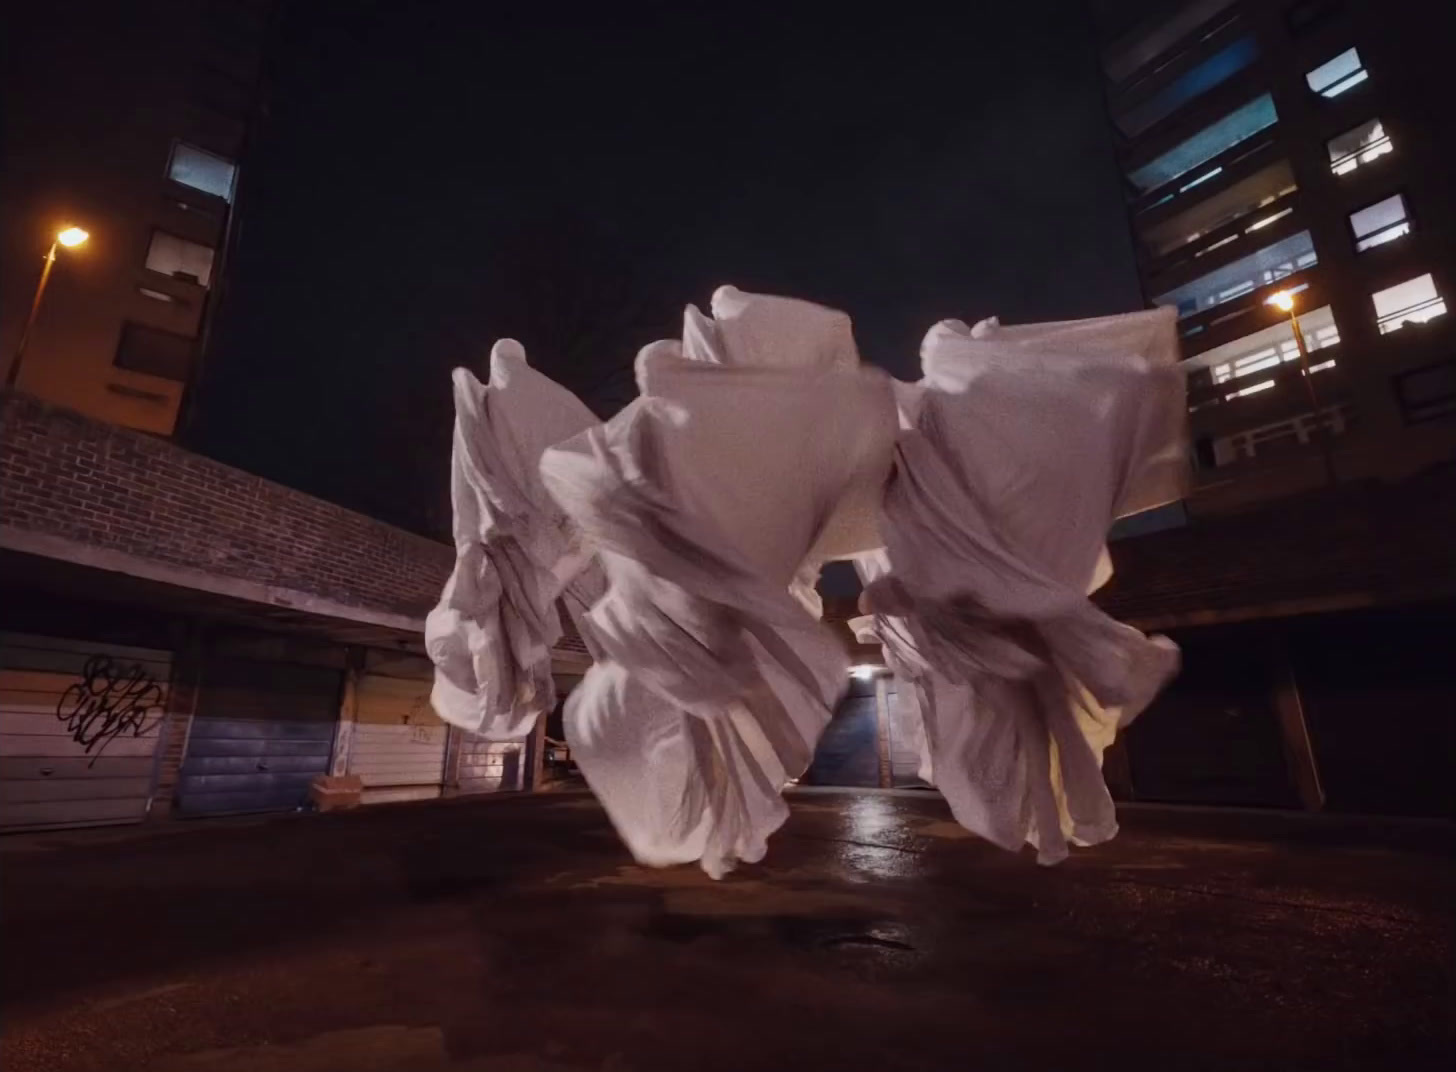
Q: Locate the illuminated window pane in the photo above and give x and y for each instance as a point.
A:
(202, 170)
(1243, 276)
(1239, 199)
(1209, 142)
(1343, 72)
(1379, 223)
(1268, 348)
(1133, 119)
(1413, 302)
(1359, 146)
(180, 258)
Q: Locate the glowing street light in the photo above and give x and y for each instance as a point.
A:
(1283, 300)
(70, 237)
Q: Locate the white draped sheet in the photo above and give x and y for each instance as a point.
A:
(491, 635)
(706, 498)
(1020, 448)
(686, 535)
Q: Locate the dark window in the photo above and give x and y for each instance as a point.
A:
(1427, 393)
(1309, 14)
(154, 352)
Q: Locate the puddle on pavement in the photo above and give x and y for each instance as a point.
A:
(796, 932)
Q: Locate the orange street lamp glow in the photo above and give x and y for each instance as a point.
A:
(1283, 300)
(69, 237)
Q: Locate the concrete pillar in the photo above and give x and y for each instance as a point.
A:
(348, 712)
(1294, 732)
(183, 693)
(882, 735)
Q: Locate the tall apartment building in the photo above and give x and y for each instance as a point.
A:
(128, 122)
(1299, 147)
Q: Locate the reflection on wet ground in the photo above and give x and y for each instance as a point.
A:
(516, 934)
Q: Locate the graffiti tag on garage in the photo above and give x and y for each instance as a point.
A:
(111, 699)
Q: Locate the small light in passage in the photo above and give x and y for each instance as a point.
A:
(864, 671)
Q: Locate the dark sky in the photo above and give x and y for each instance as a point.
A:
(434, 175)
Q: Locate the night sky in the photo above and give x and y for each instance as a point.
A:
(431, 176)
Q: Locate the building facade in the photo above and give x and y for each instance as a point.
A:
(128, 121)
(1295, 147)
(181, 638)
(1296, 150)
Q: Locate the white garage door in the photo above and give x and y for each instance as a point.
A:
(398, 748)
(79, 728)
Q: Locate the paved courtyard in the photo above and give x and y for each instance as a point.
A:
(516, 934)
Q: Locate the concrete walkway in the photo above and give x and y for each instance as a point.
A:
(507, 935)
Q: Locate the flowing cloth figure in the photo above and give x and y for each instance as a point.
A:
(490, 637)
(706, 498)
(1019, 448)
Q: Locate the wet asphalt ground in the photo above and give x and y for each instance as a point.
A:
(516, 935)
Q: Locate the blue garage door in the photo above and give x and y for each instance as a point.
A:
(261, 734)
(849, 751)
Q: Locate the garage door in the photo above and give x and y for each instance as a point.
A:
(79, 728)
(261, 734)
(491, 766)
(907, 735)
(399, 742)
(848, 753)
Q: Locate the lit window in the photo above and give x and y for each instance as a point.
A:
(202, 170)
(179, 258)
(1255, 389)
(1219, 67)
(1343, 72)
(1246, 195)
(1268, 348)
(1365, 143)
(1380, 223)
(1243, 276)
(156, 353)
(1212, 140)
(1267, 220)
(1413, 302)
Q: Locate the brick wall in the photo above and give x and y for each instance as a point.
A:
(67, 476)
(1365, 544)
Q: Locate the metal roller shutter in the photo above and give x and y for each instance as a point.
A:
(80, 723)
(491, 766)
(262, 732)
(399, 742)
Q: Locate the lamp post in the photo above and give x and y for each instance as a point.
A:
(1284, 301)
(69, 237)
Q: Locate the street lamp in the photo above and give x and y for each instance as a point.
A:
(69, 237)
(1283, 300)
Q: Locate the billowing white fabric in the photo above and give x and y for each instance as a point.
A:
(490, 637)
(705, 498)
(1023, 446)
(687, 533)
